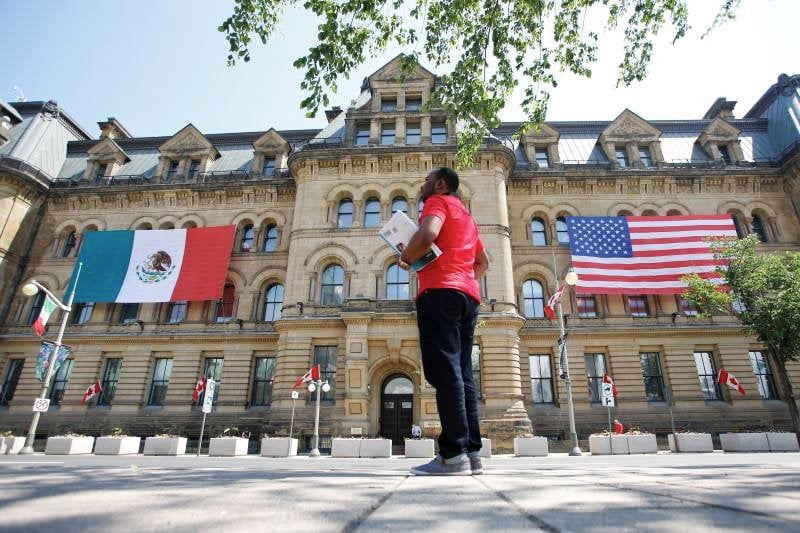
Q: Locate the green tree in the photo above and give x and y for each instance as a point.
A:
(495, 45)
(765, 294)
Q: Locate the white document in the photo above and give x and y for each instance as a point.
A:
(398, 231)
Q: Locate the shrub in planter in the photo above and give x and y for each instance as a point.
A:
(601, 444)
(530, 446)
(230, 443)
(165, 445)
(345, 447)
(278, 447)
(744, 442)
(117, 443)
(782, 442)
(691, 443)
(70, 444)
(375, 448)
(419, 448)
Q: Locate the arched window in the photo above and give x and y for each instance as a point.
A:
(332, 285)
(372, 213)
(273, 302)
(674, 213)
(757, 227)
(224, 311)
(86, 232)
(248, 234)
(420, 206)
(649, 213)
(271, 238)
(624, 213)
(144, 226)
(396, 283)
(538, 232)
(69, 244)
(561, 231)
(399, 204)
(533, 297)
(345, 216)
(738, 225)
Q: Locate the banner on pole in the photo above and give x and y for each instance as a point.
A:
(208, 398)
(43, 358)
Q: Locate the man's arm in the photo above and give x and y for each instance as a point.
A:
(481, 263)
(422, 240)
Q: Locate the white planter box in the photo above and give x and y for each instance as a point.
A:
(165, 446)
(345, 447)
(744, 442)
(228, 446)
(486, 448)
(117, 445)
(782, 442)
(69, 445)
(642, 444)
(278, 447)
(602, 445)
(376, 448)
(419, 448)
(2, 445)
(692, 443)
(14, 445)
(530, 446)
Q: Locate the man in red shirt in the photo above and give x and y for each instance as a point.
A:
(447, 311)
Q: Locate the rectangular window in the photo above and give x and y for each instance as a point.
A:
(82, 312)
(638, 305)
(325, 357)
(687, 308)
(194, 168)
(651, 373)
(177, 311)
(362, 134)
(128, 313)
(476, 368)
(13, 371)
(438, 133)
(622, 156)
(101, 171)
(224, 307)
(162, 369)
(541, 378)
(387, 134)
(413, 133)
(724, 154)
(212, 369)
(60, 380)
(595, 368)
(542, 158)
(644, 157)
(172, 170)
(587, 305)
(263, 376)
(268, 168)
(707, 373)
(765, 380)
(413, 103)
(388, 104)
(109, 382)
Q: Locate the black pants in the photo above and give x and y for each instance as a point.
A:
(446, 320)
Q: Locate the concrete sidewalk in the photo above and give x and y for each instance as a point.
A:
(664, 492)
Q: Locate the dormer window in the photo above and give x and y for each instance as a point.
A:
(542, 158)
(413, 133)
(388, 104)
(387, 134)
(621, 155)
(268, 168)
(644, 157)
(438, 132)
(173, 170)
(194, 168)
(362, 134)
(414, 103)
(724, 154)
(101, 171)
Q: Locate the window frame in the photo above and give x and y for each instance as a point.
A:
(621, 156)
(533, 298)
(765, 381)
(595, 380)
(642, 307)
(36, 307)
(647, 160)
(397, 199)
(324, 299)
(656, 379)
(372, 212)
(562, 231)
(345, 223)
(270, 242)
(154, 399)
(535, 232)
(582, 309)
(325, 356)
(261, 387)
(277, 305)
(177, 311)
(109, 382)
(388, 139)
(395, 283)
(70, 241)
(412, 105)
(194, 168)
(388, 103)
(13, 372)
(82, 313)
(212, 369)
(60, 381)
(542, 157)
(757, 227)
(222, 302)
(413, 139)
(439, 132)
(172, 169)
(268, 169)
(125, 312)
(706, 377)
(539, 381)
(248, 238)
(362, 134)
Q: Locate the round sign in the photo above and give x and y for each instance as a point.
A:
(608, 389)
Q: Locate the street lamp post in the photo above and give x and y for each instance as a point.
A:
(320, 386)
(570, 279)
(30, 289)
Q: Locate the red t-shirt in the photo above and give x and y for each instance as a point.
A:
(460, 243)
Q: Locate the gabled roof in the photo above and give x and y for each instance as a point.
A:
(189, 139)
(106, 148)
(271, 139)
(719, 130)
(629, 125)
(392, 70)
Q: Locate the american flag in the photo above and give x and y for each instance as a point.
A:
(644, 255)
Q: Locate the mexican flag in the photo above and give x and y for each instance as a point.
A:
(47, 309)
(154, 265)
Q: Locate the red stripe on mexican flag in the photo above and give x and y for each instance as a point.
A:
(47, 309)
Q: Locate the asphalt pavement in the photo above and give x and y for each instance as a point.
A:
(663, 492)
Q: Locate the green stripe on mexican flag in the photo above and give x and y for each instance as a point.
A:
(47, 309)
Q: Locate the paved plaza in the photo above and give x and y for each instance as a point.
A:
(664, 492)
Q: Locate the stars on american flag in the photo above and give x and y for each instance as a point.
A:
(599, 236)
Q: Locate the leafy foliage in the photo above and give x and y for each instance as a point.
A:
(495, 46)
(767, 287)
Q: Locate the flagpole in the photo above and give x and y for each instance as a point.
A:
(573, 435)
(28, 448)
(202, 429)
(315, 450)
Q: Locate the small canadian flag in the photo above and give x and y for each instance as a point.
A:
(199, 388)
(93, 390)
(726, 378)
(312, 374)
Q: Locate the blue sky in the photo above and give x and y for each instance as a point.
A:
(158, 65)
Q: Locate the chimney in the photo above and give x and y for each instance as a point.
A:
(721, 108)
(113, 129)
(332, 113)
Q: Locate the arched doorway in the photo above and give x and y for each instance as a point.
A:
(397, 408)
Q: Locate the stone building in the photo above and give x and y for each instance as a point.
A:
(311, 282)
